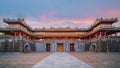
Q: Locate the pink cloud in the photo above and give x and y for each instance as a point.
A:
(107, 14)
(43, 17)
(114, 13)
(52, 21)
(81, 21)
(48, 18)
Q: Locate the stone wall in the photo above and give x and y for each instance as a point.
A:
(41, 46)
(104, 44)
(13, 44)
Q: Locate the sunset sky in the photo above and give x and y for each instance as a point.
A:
(59, 13)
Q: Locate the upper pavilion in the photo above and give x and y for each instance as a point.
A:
(101, 27)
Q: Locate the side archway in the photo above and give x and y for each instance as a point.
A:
(27, 47)
(93, 47)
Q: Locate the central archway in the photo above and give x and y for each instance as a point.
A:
(60, 47)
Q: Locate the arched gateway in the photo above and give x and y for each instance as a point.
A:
(27, 47)
(93, 47)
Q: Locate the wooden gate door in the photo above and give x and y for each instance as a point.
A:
(72, 48)
(47, 47)
(60, 47)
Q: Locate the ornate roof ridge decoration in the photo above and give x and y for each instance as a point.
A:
(60, 29)
(112, 20)
(13, 20)
(18, 20)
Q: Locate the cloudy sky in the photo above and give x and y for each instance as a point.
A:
(59, 13)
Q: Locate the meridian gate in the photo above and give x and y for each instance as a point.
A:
(59, 39)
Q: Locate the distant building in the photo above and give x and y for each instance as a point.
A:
(21, 37)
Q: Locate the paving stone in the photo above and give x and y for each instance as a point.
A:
(61, 60)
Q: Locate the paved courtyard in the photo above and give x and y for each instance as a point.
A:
(21, 60)
(61, 60)
(100, 59)
(67, 60)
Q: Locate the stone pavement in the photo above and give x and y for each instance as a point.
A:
(61, 60)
